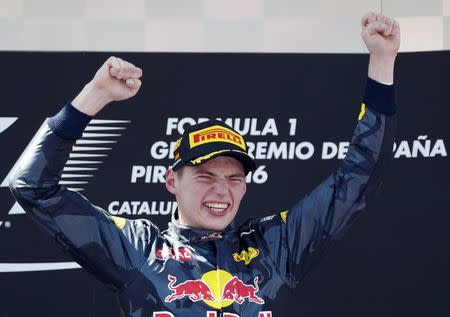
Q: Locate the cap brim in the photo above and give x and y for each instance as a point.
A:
(247, 161)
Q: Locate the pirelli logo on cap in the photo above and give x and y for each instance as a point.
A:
(215, 133)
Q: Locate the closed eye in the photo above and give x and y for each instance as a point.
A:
(204, 177)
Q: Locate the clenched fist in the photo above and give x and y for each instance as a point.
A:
(115, 80)
(381, 34)
(118, 79)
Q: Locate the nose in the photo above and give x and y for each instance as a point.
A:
(221, 187)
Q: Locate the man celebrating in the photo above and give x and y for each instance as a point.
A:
(203, 264)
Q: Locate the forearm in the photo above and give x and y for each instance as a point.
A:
(381, 69)
(91, 100)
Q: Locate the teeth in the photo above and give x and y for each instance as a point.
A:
(216, 205)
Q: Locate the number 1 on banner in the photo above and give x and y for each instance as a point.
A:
(293, 126)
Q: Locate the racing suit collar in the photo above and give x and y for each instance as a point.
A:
(187, 234)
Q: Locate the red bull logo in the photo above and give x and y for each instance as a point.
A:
(217, 289)
(212, 314)
(237, 291)
(195, 290)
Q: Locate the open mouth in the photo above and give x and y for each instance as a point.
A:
(217, 208)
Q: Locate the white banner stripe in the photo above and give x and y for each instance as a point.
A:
(86, 155)
(71, 182)
(103, 121)
(32, 267)
(99, 135)
(95, 141)
(71, 162)
(75, 175)
(75, 189)
(88, 128)
(90, 148)
(75, 169)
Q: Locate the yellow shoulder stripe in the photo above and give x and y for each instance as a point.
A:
(363, 111)
(284, 215)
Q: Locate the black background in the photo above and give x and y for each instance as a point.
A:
(395, 260)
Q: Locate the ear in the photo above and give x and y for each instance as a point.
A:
(170, 181)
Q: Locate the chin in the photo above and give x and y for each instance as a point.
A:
(213, 225)
(218, 222)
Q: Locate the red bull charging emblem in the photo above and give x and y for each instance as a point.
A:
(217, 289)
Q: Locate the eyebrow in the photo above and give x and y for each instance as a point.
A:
(237, 175)
(203, 171)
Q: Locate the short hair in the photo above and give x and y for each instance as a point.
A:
(179, 172)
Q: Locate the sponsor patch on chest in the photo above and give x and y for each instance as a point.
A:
(246, 255)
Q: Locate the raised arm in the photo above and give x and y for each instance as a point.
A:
(297, 237)
(381, 35)
(112, 248)
(116, 80)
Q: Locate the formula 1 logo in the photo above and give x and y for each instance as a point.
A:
(6, 122)
(85, 158)
(217, 289)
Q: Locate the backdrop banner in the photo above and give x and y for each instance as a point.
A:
(298, 112)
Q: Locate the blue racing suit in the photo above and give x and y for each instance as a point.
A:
(184, 271)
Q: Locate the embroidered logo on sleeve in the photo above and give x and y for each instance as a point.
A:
(119, 222)
(267, 218)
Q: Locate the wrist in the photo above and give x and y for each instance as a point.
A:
(381, 68)
(91, 99)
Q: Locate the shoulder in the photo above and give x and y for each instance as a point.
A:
(136, 227)
(262, 224)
